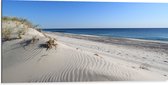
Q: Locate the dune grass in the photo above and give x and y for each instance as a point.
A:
(20, 26)
(19, 21)
(15, 25)
(6, 34)
(20, 33)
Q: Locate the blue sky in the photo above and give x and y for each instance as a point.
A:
(89, 14)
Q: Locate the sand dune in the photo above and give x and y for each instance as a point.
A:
(79, 60)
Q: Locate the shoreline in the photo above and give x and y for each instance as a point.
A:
(115, 40)
(147, 40)
(143, 37)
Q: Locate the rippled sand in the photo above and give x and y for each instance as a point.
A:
(83, 58)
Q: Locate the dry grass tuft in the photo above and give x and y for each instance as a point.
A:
(6, 34)
(19, 34)
(34, 40)
(51, 43)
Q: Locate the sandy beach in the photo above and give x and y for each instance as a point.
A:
(64, 41)
(83, 58)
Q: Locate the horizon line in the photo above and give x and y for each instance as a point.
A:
(112, 28)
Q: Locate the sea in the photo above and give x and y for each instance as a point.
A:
(159, 34)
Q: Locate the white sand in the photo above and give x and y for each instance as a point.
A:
(79, 60)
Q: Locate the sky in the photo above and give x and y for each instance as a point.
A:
(53, 14)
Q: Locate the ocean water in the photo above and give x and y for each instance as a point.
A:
(160, 34)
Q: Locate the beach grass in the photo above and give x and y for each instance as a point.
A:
(17, 26)
(6, 33)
